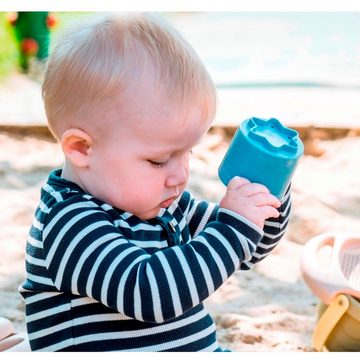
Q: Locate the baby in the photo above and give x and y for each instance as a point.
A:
(120, 256)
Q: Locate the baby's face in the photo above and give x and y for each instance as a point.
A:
(143, 164)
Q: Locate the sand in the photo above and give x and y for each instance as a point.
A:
(269, 308)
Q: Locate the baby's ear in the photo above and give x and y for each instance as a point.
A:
(76, 145)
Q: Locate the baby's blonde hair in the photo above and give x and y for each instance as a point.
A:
(102, 53)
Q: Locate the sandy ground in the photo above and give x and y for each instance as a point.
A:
(266, 309)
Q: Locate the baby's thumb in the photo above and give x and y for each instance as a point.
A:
(236, 182)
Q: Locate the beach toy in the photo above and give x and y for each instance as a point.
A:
(10, 340)
(342, 273)
(265, 152)
(6, 328)
(338, 325)
(16, 342)
(330, 265)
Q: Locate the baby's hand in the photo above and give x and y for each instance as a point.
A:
(252, 201)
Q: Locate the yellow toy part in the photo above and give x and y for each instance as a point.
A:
(338, 325)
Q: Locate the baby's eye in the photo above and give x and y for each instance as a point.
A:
(158, 164)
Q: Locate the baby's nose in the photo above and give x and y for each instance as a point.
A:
(177, 178)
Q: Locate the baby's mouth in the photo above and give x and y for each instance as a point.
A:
(167, 202)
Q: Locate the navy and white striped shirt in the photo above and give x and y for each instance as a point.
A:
(101, 279)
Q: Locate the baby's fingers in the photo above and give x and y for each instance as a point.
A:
(272, 201)
(236, 182)
(269, 212)
(251, 189)
(262, 199)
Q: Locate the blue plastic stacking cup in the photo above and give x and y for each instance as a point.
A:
(265, 152)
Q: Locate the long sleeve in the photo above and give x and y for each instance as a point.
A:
(199, 213)
(274, 230)
(85, 254)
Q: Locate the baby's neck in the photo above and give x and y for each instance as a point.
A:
(68, 173)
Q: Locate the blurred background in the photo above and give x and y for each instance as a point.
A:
(301, 68)
(266, 58)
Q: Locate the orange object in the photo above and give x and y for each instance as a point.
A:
(29, 47)
(12, 18)
(51, 21)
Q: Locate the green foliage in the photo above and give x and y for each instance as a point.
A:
(8, 49)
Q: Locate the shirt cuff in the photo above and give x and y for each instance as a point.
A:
(241, 224)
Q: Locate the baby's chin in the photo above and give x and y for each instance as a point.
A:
(147, 215)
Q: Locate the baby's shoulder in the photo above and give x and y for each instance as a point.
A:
(67, 203)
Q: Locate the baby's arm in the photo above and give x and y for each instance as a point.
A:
(85, 254)
(198, 213)
(255, 203)
(274, 229)
(236, 199)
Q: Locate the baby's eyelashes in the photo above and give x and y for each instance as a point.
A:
(158, 164)
(163, 162)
